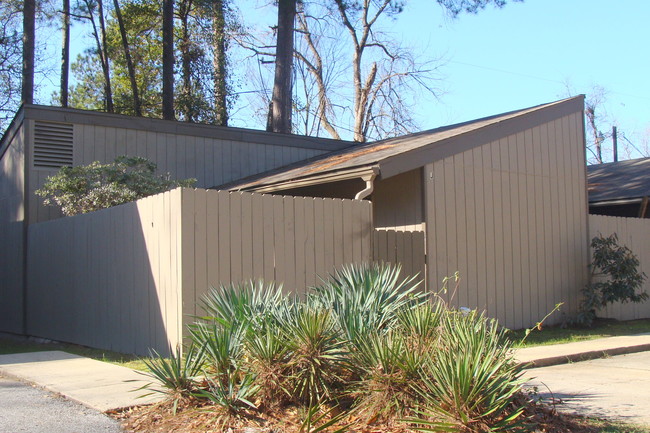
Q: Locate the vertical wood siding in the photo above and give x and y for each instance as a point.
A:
(210, 161)
(12, 213)
(108, 279)
(510, 216)
(405, 248)
(635, 234)
(129, 278)
(236, 237)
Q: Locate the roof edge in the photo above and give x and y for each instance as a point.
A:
(75, 115)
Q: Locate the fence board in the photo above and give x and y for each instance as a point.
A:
(400, 247)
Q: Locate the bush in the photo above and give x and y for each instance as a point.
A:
(615, 277)
(87, 188)
(364, 341)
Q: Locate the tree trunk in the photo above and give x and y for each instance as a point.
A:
(167, 60)
(282, 85)
(129, 62)
(184, 8)
(65, 53)
(219, 64)
(29, 44)
(102, 50)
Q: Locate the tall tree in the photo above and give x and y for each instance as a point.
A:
(281, 104)
(219, 63)
(129, 62)
(168, 60)
(65, 52)
(10, 59)
(143, 25)
(29, 49)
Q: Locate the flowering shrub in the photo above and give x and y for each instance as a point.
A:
(97, 186)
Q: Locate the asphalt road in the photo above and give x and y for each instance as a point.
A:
(617, 387)
(26, 409)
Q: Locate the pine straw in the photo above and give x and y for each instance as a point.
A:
(191, 417)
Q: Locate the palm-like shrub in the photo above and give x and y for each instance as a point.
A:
(317, 353)
(472, 382)
(363, 333)
(366, 298)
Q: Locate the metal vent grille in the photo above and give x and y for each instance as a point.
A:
(53, 144)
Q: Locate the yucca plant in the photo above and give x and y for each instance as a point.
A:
(219, 347)
(268, 354)
(176, 376)
(388, 371)
(317, 353)
(236, 304)
(472, 382)
(366, 298)
(231, 393)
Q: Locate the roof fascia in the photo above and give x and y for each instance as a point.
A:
(411, 160)
(71, 115)
(329, 177)
(11, 130)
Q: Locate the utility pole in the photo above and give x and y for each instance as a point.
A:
(615, 143)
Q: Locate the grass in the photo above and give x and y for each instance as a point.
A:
(15, 344)
(601, 328)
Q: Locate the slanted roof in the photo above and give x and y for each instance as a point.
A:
(398, 155)
(622, 180)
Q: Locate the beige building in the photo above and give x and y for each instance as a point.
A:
(500, 200)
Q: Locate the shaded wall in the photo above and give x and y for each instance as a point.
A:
(511, 216)
(109, 279)
(635, 234)
(12, 216)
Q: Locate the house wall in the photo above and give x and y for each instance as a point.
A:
(12, 215)
(511, 216)
(212, 155)
(398, 201)
(635, 234)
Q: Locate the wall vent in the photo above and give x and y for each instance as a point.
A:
(53, 144)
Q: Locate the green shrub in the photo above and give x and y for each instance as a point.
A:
(615, 277)
(472, 382)
(95, 186)
(363, 341)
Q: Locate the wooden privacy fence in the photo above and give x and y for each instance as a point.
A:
(635, 234)
(403, 247)
(128, 278)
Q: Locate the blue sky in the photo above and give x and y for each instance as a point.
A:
(523, 55)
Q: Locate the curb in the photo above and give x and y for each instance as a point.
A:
(584, 356)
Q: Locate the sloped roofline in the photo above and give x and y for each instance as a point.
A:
(393, 156)
(619, 182)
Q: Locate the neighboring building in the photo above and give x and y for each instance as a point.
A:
(620, 188)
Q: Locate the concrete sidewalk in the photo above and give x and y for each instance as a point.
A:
(105, 387)
(96, 384)
(543, 356)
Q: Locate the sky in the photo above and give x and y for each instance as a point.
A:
(527, 53)
(524, 54)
